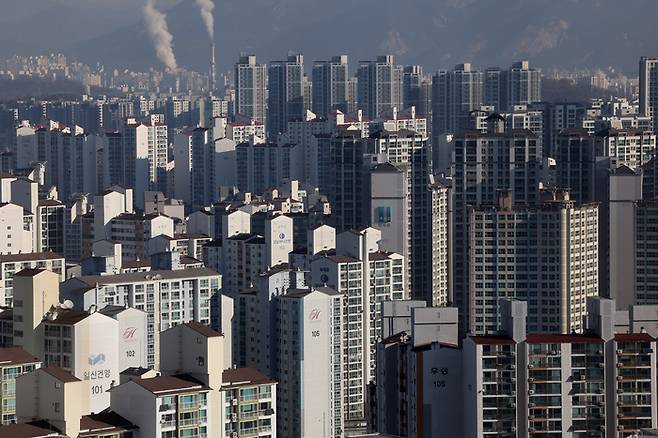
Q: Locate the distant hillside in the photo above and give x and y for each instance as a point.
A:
(38, 87)
(562, 90)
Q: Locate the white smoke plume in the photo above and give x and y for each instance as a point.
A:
(206, 7)
(156, 24)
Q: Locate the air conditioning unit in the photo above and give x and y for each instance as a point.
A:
(531, 392)
(582, 377)
(234, 402)
(620, 391)
(620, 415)
(620, 378)
(512, 367)
(602, 427)
(620, 351)
(530, 366)
(512, 405)
(649, 350)
(531, 405)
(513, 429)
(620, 427)
(600, 403)
(512, 379)
(234, 435)
(553, 353)
(619, 364)
(599, 352)
(531, 417)
(620, 403)
(531, 429)
(234, 417)
(531, 379)
(601, 365)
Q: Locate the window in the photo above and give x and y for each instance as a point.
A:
(383, 215)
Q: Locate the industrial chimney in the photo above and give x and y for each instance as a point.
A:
(213, 69)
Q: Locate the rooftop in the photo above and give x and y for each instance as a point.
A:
(135, 371)
(244, 376)
(167, 385)
(15, 356)
(27, 430)
(492, 340)
(66, 317)
(563, 339)
(202, 329)
(105, 422)
(132, 277)
(633, 337)
(60, 374)
(29, 256)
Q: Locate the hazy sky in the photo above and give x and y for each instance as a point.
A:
(434, 33)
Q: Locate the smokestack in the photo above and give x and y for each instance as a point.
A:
(213, 69)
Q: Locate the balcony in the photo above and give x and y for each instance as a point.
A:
(249, 431)
(188, 421)
(188, 405)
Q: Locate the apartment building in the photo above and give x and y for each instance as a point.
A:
(14, 362)
(307, 354)
(13, 263)
(365, 276)
(167, 297)
(165, 406)
(546, 255)
(248, 404)
(512, 383)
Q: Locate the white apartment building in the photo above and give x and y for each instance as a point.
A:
(254, 316)
(13, 263)
(108, 205)
(251, 89)
(68, 153)
(202, 165)
(59, 398)
(132, 338)
(630, 147)
(396, 119)
(133, 231)
(546, 255)
(649, 89)
(517, 384)
(167, 297)
(86, 345)
(83, 343)
(418, 360)
(409, 151)
(14, 362)
(261, 166)
(379, 86)
(365, 277)
(17, 229)
(248, 404)
(308, 364)
(330, 86)
(166, 406)
(241, 131)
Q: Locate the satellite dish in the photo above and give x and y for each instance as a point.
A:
(67, 304)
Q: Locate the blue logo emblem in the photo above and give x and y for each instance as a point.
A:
(96, 359)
